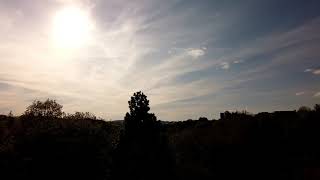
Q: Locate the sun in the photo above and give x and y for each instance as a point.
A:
(71, 27)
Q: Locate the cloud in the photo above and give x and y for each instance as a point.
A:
(313, 71)
(316, 71)
(129, 52)
(196, 53)
(299, 93)
(317, 94)
(225, 65)
(237, 61)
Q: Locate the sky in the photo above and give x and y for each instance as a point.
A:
(191, 58)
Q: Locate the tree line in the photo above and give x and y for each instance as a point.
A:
(46, 143)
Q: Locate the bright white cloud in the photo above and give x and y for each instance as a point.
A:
(196, 53)
(307, 70)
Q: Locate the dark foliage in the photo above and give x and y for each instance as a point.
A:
(45, 144)
(142, 151)
(139, 119)
(47, 109)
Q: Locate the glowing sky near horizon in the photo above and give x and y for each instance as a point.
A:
(191, 58)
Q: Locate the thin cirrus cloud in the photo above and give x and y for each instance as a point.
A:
(313, 71)
(131, 50)
(316, 72)
(300, 93)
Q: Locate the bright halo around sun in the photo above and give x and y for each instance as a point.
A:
(71, 28)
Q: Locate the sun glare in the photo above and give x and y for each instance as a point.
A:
(71, 27)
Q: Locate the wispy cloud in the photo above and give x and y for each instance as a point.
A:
(316, 71)
(300, 93)
(317, 94)
(129, 51)
(237, 61)
(225, 65)
(313, 71)
(196, 53)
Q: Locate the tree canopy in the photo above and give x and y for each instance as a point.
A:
(139, 115)
(49, 108)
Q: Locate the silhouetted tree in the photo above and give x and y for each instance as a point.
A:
(49, 109)
(317, 107)
(142, 151)
(304, 109)
(139, 116)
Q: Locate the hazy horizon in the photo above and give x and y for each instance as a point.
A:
(191, 58)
